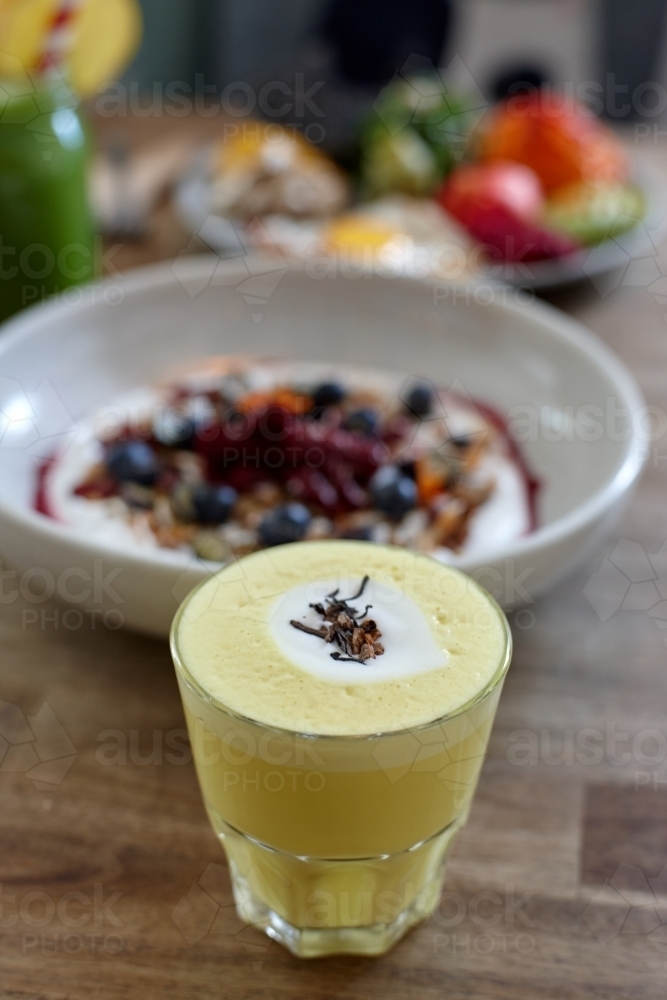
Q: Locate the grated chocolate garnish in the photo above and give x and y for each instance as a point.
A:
(356, 636)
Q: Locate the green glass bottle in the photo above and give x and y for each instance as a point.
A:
(46, 232)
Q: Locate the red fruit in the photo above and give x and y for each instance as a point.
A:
(97, 489)
(312, 487)
(478, 188)
(514, 239)
(500, 205)
(243, 479)
(320, 464)
(555, 137)
(341, 474)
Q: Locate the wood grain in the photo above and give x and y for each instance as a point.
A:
(113, 885)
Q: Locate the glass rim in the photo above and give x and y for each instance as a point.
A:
(497, 678)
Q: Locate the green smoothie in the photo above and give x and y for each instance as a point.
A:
(46, 233)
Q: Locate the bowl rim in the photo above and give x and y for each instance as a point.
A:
(552, 321)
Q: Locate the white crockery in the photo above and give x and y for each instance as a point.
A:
(568, 394)
(598, 262)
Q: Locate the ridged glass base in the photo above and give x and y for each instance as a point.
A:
(317, 906)
(316, 942)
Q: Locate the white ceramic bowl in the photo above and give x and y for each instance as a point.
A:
(61, 361)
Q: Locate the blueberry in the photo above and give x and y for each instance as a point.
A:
(328, 394)
(132, 462)
(286, 523)
(174, 429)
(392, 492)
(361, 421)
(420, 400)
(213, 504)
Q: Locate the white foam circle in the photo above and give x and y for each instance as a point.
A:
(409, 643)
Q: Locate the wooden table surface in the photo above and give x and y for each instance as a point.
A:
(112, 882)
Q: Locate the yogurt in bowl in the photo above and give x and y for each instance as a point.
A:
(239, 453)
(553, 382)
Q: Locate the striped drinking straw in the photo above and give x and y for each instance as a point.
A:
(59, 37)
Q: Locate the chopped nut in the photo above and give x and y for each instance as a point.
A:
(181, 502)
(358, 642)
(320, 527)
(135, 495)
(449, 516)
(371, 630)
(190, 466)
(358, 639)
(163, 513)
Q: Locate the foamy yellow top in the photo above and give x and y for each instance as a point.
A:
(228, 637)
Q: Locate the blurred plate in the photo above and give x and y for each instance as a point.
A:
(604, 258)
(229, 237)
(192, 198)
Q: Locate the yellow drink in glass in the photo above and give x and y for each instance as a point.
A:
(337, 786)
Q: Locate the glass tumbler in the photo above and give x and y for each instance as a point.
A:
(336, 844)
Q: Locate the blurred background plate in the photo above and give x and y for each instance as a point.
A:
(192, 198)
(228, 237)
(601, 260)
